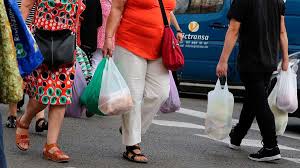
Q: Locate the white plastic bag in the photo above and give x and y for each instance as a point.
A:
(281, 117)
(218, 121)
(115, 97)
(287, 99)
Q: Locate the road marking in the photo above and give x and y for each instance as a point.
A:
(246, 142)
(292, 159)
(249, 143)
(254, 126)
(177, 124)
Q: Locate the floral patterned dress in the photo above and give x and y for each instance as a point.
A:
(46, 85)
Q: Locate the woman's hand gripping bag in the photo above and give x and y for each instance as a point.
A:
(115, 97)
(218, 121)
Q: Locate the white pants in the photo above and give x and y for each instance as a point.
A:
(96, 59)
(149, 85)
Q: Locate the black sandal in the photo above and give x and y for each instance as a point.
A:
(130, 150)
(11, 122)
(44, 126)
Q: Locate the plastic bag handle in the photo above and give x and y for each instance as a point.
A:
(219, 86)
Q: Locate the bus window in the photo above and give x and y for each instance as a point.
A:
(198, 6)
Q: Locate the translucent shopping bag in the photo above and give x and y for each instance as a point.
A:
(115, 97)
(218, 121)
(173, 102)
(281, 117)
(90, 95)
(287, 99)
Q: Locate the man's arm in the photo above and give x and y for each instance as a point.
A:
(284, 45)
(230, 40)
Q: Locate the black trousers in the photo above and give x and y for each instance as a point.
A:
(256, 106)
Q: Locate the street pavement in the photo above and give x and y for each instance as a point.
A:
(175, 140)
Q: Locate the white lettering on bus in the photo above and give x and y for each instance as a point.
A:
(195, 37)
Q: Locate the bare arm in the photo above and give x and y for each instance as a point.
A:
(114, 17)
(230, 40)
(112, 25)
(179, 34)
(26, 7)
(174, 21)
(284, 44)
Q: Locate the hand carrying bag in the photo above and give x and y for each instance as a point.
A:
(172, 56)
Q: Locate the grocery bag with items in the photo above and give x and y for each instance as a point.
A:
(281, 117)
(90, 95)
(218, 121)
(115, 97)
(173, 102)
(287, 99)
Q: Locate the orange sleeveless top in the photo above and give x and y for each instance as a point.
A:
(141, 27)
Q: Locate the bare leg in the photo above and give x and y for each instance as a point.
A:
(32, 108)
(56, 117)
(12, 110)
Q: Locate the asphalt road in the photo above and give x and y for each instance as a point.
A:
(175, 140)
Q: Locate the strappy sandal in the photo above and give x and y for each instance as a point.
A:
(22, 138)
(11, 122)
(57, 156)
(44, 126)
(130, 151)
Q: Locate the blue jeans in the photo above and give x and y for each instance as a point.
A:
(2, 155)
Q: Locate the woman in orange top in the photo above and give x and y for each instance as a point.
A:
(139, 28)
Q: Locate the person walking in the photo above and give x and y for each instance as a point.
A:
(41, 122)
(49, 86)
(260, 26)
(139, 30)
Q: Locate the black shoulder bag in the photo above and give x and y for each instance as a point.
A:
(57, 47)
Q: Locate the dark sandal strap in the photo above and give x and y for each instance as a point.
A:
(39, 120)
(132, 148)
(44, 124)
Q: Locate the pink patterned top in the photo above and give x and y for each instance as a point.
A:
(106, 7)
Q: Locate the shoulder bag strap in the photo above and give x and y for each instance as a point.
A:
(163, 13)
